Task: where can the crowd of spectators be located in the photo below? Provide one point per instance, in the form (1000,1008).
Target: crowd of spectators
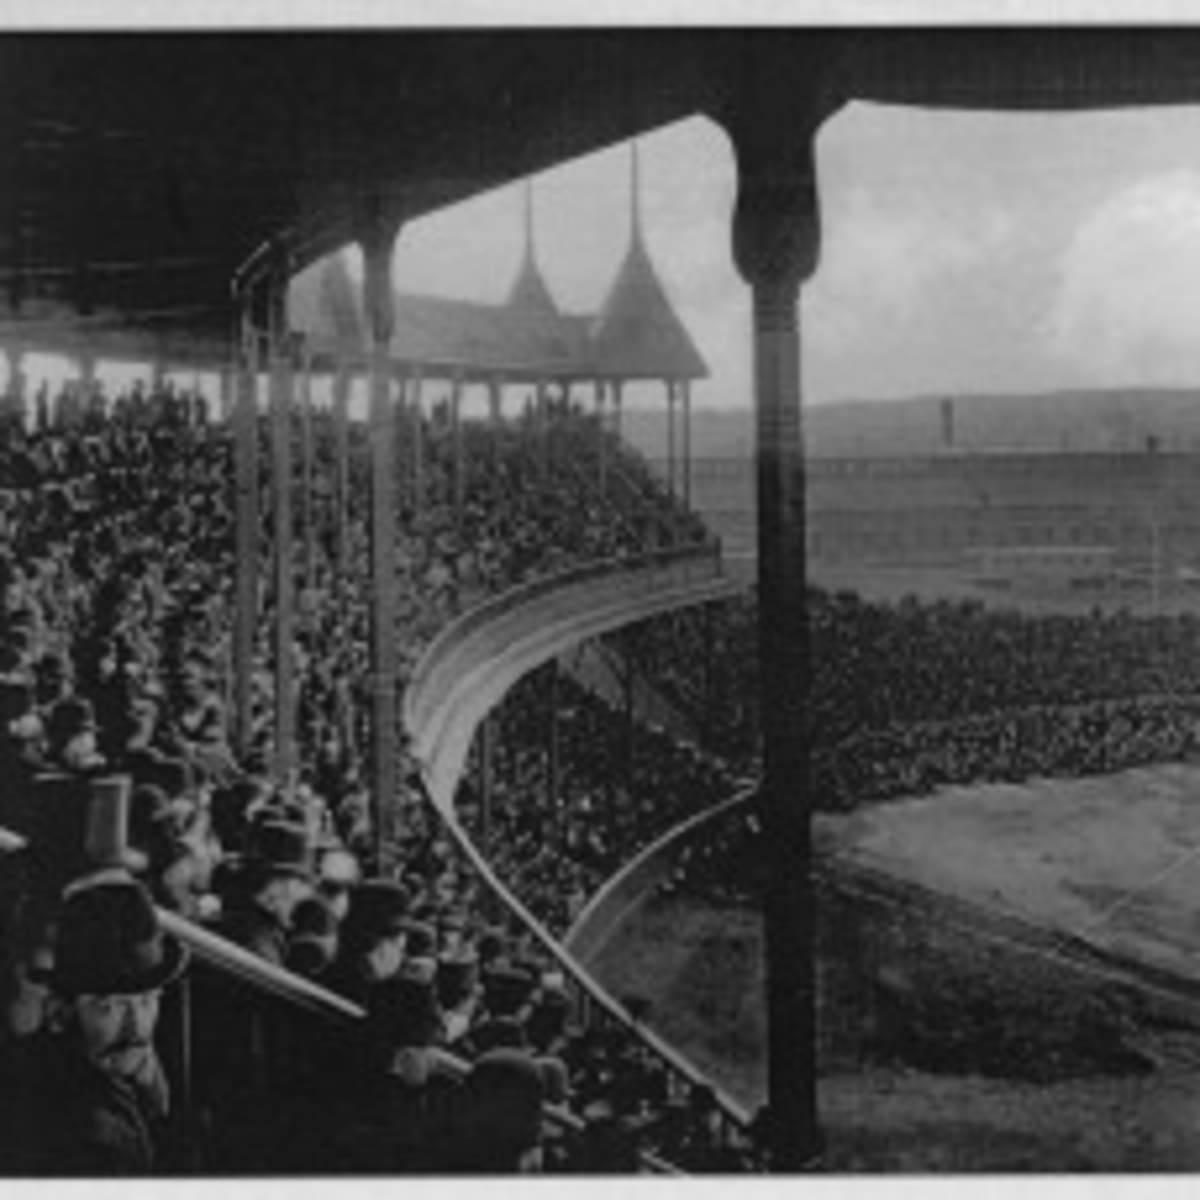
(115,634)
(116,582)
(564,818)
(909,696)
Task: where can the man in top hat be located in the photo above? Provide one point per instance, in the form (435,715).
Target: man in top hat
(87,1094)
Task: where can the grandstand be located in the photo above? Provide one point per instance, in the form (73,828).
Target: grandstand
(299,808)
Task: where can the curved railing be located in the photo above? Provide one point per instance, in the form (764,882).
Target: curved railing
(637,878)
(454,654)
(440,666)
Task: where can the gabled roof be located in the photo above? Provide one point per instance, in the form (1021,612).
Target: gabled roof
(440,333)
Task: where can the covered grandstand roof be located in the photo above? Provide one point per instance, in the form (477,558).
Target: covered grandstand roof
(133,186)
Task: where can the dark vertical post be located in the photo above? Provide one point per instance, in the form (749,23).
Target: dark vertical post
(456,431)
(776,244)
(307,474)
(685,394)
(496,417)
(543,430)
(246,548)
(378,237)
(225,397)
(601,434)
(418,439)
(341,457)
(282,385)
(670,385)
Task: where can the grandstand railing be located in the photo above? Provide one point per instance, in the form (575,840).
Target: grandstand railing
(616,898)
(442,667)
(592,1004)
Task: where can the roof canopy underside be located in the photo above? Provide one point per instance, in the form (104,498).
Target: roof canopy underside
(140,171)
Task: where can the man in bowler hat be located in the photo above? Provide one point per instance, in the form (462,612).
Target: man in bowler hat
(87,1094)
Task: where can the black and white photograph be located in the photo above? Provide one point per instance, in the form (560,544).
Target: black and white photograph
(600,598)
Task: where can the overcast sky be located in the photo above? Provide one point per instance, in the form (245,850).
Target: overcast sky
(961,253)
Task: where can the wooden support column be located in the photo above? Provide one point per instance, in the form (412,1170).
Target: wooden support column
(543,429)
(246,528)
(495,417)
(670,385)
(226,396)
(378,237)
(307,471)
(456,433)
(618,395)
(601,435)
(282,382)
(418,442)
(685,395)
(341,465)
(14,399)
(776,238)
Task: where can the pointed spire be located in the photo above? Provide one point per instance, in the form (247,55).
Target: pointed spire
(635,194)
(530,244)
(637,334)
(529,293)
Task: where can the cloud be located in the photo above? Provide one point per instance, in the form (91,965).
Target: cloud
(1127,302)
(879,264)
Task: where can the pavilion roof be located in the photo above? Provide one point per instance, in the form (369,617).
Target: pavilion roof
(526,335)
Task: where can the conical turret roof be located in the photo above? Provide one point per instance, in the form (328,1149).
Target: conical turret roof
(637,333)
(530,295)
